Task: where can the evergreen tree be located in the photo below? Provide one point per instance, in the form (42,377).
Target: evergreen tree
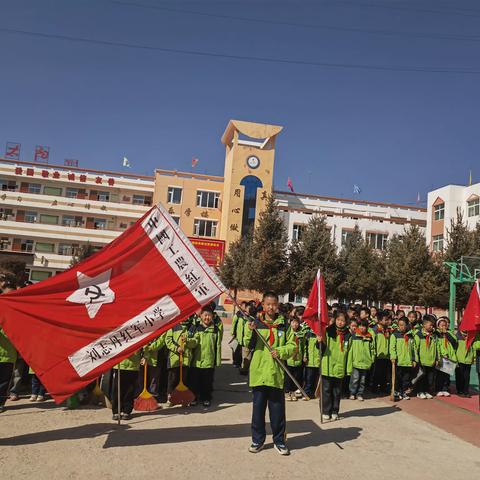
(315,250)
(476,241)
(269,251)
(82,253)
(360,269)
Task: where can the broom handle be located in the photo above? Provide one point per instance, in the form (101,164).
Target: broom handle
(145,376)
(181,368)
(270,349)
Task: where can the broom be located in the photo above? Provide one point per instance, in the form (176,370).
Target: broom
(181,395)
(145,402)
(96,396)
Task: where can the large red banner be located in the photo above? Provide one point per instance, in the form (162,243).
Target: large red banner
(212,251)
(78,324)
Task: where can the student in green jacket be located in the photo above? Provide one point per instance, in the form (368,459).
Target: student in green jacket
(151,361)
(129,368)
(336,343)
(311,360)
(360,359)
(402,355)
(237,324)
(426,355)
(465,358)
(206,356)
(8,357)
(447,346)
(382,366)
(295,363)
(266,375)
(241,330)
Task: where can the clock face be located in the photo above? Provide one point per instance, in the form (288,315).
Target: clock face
(253,161)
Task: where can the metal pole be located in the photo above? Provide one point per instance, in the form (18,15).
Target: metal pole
(118,393)
(453,294)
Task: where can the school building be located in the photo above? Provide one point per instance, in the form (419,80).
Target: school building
(47,212)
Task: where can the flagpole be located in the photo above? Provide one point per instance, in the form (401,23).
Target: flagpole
(270,349)
(118,393)
(320,379)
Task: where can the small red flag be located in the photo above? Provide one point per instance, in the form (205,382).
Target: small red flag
(471,317)
(290,185)
(73,327)
(316,311)
(194,161)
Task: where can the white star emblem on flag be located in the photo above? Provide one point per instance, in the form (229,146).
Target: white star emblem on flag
(93,292)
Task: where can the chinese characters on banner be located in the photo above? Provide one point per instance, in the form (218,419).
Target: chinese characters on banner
(68,162)
(12,151)
(140,285)
(42,153)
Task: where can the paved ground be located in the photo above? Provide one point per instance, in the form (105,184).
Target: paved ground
(374,440)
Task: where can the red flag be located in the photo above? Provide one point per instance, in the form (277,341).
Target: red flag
(471,317)
(78,324)
(290,184)
(194,161)
(316,311)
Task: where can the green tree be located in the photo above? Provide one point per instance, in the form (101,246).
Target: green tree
(314,250)
(269,251)
(82,253)
(361,269)
(14,271)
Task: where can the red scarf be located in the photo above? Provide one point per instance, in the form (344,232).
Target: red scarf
(340,334)
(427,339)
(406,337)
(270,326)
(386,333)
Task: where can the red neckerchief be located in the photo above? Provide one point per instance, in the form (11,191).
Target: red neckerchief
(364,335)
(270,326)
(427,338)
(341,334)
(386,332)
(406,338)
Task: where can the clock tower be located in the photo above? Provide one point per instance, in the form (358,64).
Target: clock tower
(249,162)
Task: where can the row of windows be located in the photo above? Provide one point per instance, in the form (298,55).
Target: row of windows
(205,198)
(28,245)
(473,209)
(73,192)
(377,240)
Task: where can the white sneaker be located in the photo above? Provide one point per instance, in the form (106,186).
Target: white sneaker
(325,417)
(439,394)
(446,394)
(40,398)
(33,398)
(405,397)
(427,395)
(334,416)
(421,395)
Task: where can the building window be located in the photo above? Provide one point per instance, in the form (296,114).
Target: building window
(4,243)
(67,249)
(142,200)
(298,230)
(49,219)
(205,228)
(44,247)
(176,219)
(34,188)
(174,195)
(100,223)
(71,192)
(9,185)
(346,235)
(56,191)
(207,199)
(378,241)
(30,217)
(26,245)
(474,207)
(39,275)
(103,196)
(439,211)
(437,243)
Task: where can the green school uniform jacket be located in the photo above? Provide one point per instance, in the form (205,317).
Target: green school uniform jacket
(132,363)
(335,352)
(217,321)
(8,354)
(447,346)
(361,354)
(150,351)
(426,355)
(402,348)
(240,330)
(312,350)
(208,352)
(382,341)
(235,323)
(172,342)
(298,337)
(467,357)
(264,369)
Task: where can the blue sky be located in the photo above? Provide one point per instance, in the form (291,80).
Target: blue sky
(393,132)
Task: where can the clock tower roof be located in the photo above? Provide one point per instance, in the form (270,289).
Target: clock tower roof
(249,129)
